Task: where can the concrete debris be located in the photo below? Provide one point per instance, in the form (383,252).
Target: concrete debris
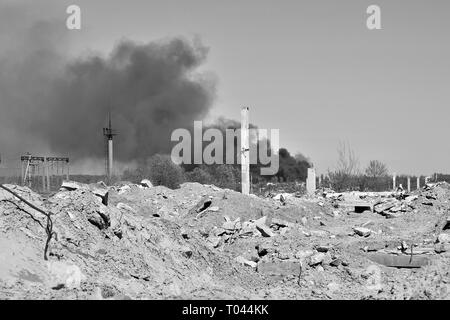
(444,238)
(282,269)
(146,183)
(65,275)
(186,251)
(303,254)
(361,231)
(138,241)
(263,228)
(317,259)
(399,261)
(232,225)
(70,185)
(262,249)
(246,262)
(202,205)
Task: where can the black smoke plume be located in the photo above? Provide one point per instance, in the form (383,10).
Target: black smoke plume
(52,103)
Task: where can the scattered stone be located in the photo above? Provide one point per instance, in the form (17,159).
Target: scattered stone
(379,208)
(333,287)
(248,229)
(123,206)
(123,189)
(202,205)
(391,215)
(186,251)
(441,248)
(317,259)
(336,262)
(319,233)
(444,238)
(283,255)
(64,274)
(215,241)
(70,185)
(184,233)
(146,183)
(102,193)
(284,268)
(323,248)
(411,198)
(263,228)
(280,223)
(361,231)
(304,221)
(262,249)
(303,254)
(232,225)
(245,262)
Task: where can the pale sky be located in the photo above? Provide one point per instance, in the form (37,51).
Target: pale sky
(309,68)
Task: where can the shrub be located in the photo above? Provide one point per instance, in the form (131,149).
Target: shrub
(159,169)
(222,175)
(199,175)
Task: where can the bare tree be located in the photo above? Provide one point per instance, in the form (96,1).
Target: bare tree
(347,169)
(376,169)
(348,163)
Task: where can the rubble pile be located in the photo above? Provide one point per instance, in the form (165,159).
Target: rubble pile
(139,241)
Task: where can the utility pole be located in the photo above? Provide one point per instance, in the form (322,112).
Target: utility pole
(109,134)
(245,152)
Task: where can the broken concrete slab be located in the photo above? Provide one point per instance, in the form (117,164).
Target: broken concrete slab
(359,206)
(202,205)
(399,261)
(379,208)
(263,228)
(232,225)
(70,185)
(361,231)
(245,262)
(317,258)
(146,183)
(65,275)
(285,268)
(444,238)
(303,254)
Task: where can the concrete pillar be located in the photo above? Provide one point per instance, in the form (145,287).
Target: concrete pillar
(311,181)
(409,184)
(48,177)
(110,160)
(245,152)
(44,184)
(394,178)
(418,183)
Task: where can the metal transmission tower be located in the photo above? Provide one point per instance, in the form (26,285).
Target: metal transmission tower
(109,134)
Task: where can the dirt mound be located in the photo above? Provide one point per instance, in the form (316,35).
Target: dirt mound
(202,242)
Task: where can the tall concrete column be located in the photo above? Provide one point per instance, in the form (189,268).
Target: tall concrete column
(47,174)
(43,165)
(394,178)
(245,152)
(110,159)
(418,183)
(311,181)
(409,184)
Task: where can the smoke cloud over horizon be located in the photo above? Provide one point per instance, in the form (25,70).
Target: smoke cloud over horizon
(53,104)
